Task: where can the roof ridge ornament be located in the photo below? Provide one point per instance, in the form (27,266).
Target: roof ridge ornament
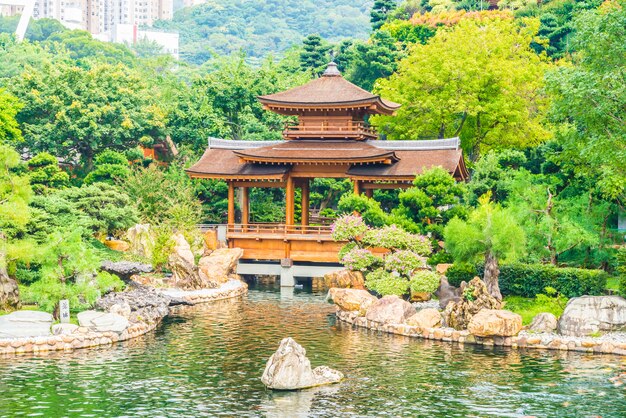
(331,70)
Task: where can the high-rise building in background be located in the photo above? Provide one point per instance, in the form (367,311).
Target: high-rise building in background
(101,17)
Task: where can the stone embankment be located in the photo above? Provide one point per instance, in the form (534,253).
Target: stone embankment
(482,322)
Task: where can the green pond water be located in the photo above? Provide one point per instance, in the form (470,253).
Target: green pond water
(207,361)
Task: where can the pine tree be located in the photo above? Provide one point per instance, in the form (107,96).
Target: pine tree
(380,11)
(313,57)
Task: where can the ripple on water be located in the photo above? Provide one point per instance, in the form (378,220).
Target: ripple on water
(207,361)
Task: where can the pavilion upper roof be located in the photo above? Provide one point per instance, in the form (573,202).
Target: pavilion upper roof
(330,91)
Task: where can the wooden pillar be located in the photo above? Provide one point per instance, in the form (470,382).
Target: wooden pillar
(305,202)
(357,187)
(369,193)
(245,205)
(231,203)
(289,202)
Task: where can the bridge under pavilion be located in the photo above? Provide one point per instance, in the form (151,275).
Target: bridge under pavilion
(331,139)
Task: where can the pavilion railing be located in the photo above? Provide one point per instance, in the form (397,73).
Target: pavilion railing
(280,229)
(354,127)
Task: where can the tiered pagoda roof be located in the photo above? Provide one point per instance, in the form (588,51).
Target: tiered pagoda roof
(332,130)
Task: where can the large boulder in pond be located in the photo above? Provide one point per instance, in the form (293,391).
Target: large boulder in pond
(543,322)
(289,369)
(351,299)
(390,310)
(476,297)
(344,279)
(591,314)
(22,324)
(142,304)
(219,266)
(495,322)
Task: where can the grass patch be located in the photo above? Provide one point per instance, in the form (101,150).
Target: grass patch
(612,283)
(527,308)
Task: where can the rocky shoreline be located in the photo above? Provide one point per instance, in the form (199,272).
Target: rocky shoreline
(145,312)
(606,344)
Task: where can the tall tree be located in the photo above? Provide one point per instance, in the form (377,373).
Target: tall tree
(479,80)
(590,98)
(314,55)
(75,113)
(490,233)
(377,58)
(380,11)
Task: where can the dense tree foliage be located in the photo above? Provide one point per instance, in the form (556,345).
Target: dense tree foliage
(479,80)
(262,27)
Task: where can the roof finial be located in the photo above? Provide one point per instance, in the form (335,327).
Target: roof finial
(331,70)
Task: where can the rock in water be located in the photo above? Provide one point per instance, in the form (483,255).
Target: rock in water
(289,369)
(351,299)
(495,322)
(102,321)
(476,297)
(219,267)
(543,322)
(390,310)
(590,314)
(344,279)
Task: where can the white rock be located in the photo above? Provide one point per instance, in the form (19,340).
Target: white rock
(64,329)
(543,322)
(25,324)
(289,369)
(590,314)
(102,321)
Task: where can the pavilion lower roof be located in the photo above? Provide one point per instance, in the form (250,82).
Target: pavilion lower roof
(398,161)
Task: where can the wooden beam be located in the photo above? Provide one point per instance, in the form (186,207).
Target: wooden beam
(305,202)
(367,186)
(289,201)
(262,184)
(245,205)
(357,188)
(369,193)
(231,203)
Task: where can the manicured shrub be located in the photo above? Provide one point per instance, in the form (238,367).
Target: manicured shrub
(385,283)
(459,272)
(360,259)
(424,281)
(529,280)
(403,262)
(621,270)
(396,238)
(348,228)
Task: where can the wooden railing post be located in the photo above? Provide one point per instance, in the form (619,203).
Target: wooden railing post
(231,203)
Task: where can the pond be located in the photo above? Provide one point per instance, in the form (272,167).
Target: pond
(207,361)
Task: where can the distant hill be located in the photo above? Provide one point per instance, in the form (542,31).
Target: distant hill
(261,27)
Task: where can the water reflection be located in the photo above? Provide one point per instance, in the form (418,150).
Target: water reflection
(207,361)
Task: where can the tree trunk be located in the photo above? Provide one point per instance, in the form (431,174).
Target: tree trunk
(492,271)
(9,292)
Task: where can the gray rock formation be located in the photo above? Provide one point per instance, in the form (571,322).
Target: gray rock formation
(102,321)
(591,314)
(390,310)
(25,324)
(543,322)
(145,304)
(125,269)
(447,293)
(289,369)
(476,297)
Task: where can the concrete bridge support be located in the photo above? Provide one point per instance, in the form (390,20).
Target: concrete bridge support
(287,273)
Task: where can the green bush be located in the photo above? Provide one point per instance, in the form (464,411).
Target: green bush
(529,280)
(621,270)
(424,281)
(385,283)
(459,272)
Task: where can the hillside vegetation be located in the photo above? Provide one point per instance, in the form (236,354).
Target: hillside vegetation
(262,27)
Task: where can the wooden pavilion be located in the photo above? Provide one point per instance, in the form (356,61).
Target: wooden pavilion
(331,139)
